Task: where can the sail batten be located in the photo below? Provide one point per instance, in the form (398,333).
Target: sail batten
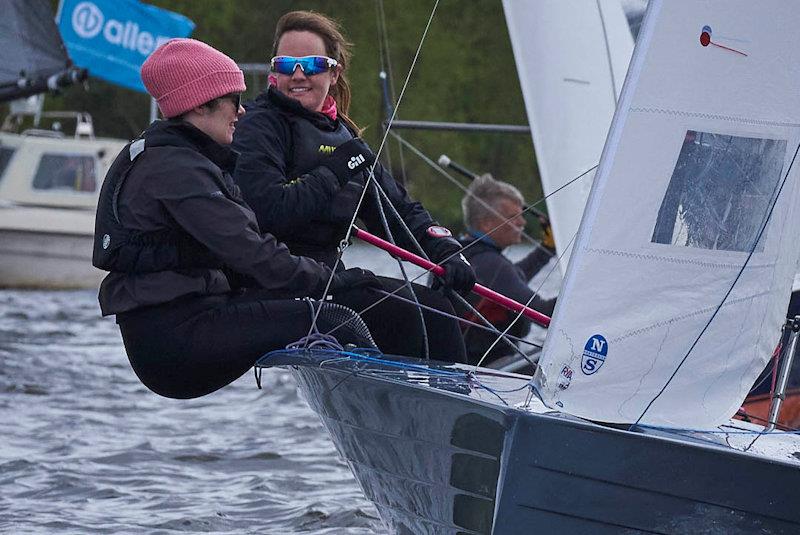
(674,297)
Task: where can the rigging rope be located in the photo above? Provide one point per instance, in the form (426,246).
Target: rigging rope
(456,182)
(371,180)
(388,76)
(377,190)
(440,375)
(427,271)
(491,328)
(371,177)
(614,90)
(530,300)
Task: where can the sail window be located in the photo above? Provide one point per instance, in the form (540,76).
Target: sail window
(720,192)
(5,157)
(70,172)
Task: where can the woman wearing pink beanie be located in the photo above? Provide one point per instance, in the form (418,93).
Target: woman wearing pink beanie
(198,291)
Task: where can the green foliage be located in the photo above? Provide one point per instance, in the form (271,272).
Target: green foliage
(464,73)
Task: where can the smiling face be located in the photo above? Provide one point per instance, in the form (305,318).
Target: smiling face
(510,233)
(217,121)
(310,91)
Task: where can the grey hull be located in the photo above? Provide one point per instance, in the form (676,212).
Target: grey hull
(436,455)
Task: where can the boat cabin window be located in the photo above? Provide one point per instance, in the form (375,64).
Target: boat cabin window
(70,172)
(720,193)
(5,156)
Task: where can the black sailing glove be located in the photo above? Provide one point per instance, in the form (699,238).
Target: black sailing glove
(459,275)
(349,159)
(445,251)
(354,278)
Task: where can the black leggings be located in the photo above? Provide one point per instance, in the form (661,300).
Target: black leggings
(395,325)
(195,345)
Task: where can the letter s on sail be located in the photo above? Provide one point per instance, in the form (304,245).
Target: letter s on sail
(594,354)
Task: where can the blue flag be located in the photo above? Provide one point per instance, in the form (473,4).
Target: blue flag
(112,38)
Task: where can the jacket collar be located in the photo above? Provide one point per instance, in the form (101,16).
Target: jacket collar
(179,133)
(274,98)
(482,237)
(477,243)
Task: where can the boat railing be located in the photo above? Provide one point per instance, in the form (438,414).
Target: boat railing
(39,132)
(84,127)
(789,348)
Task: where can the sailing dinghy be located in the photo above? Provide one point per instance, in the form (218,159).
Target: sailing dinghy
(672,302)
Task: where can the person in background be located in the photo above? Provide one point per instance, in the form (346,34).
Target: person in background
(303,170)
(198,291)
(493,218)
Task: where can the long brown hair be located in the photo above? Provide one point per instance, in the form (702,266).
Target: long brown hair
(336,46)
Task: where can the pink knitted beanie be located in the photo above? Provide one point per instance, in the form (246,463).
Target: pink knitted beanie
(184,73)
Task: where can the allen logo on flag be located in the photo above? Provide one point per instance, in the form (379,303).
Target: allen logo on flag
(112,38)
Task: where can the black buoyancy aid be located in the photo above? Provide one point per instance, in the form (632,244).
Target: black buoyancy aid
(117,248)
(311,144)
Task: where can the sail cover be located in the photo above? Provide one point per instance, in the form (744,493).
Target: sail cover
(674,298)
(32,48)
(571,56)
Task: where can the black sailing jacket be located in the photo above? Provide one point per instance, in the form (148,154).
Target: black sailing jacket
(281,172)
(177,191)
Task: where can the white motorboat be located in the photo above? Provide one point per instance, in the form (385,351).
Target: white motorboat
(49,185)
(49,182)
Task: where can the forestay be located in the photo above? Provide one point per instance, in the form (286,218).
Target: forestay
(704,135)
(571,56)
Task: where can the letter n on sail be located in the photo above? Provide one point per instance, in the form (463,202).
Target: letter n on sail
(594,354)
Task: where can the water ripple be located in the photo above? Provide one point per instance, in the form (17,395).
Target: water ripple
(87,449)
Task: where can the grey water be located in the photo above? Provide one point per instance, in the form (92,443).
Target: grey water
(85,448)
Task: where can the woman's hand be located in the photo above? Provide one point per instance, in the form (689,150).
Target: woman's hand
(458,274)
(354,278)
(349,159)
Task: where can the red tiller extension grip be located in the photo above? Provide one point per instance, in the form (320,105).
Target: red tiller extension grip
(438,270)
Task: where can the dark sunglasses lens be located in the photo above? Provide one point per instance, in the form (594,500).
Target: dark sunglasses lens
(315,65)
(284,65)
(235,98)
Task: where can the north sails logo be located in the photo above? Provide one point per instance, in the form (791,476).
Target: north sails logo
(355,161)
(88,21)
(594,354)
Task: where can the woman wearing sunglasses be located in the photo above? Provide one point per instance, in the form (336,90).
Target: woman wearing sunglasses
(302,168)
(199,293)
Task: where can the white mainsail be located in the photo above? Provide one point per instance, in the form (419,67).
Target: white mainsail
(706,130)
(571,56)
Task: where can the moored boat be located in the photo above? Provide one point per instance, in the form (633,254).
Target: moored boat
(48,195)
(49,182)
